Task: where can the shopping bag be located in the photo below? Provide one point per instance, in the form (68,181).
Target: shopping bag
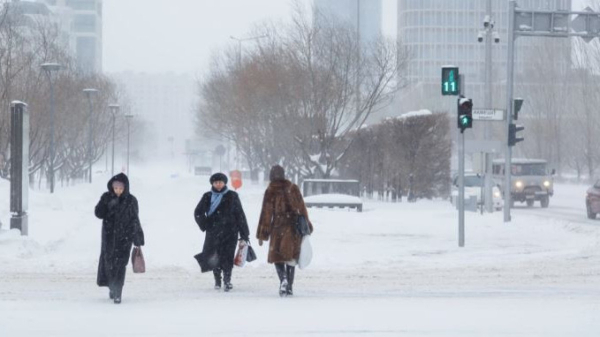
(241,255)
(305,252)
(137,260)
(251,254)
(302,225)
(207,263)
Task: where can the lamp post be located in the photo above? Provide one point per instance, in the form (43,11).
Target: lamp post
(49,68)
(114,108)
(89,92)
(488,34)
(128,117)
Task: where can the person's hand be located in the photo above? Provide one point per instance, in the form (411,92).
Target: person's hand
(260,242)
(113,202)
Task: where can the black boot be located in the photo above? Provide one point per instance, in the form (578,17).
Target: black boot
(291,270)
(118,290)
(280,268)
(217,274)
(111,294)
(227,280)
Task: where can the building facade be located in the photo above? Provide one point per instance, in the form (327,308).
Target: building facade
(81,23)
(444,32)
(364,13)
(165,102)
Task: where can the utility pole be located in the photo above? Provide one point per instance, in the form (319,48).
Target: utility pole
(114,109)
(89,93)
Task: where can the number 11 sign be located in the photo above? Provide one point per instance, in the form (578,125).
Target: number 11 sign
(450,81)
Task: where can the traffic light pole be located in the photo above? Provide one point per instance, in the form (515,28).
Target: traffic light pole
(461,189)
(509,107)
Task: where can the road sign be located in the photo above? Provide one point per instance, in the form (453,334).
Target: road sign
(488,114)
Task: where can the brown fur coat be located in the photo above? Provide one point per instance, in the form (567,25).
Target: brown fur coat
(276,221)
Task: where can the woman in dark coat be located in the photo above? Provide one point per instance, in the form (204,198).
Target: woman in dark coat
(121,228)
(281,203)
(219,213)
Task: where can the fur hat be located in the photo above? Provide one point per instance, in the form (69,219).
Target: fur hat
(277,173)
(218,177)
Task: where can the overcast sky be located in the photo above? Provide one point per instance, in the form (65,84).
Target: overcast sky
(180,35)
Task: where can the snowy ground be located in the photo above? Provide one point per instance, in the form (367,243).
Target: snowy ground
(392,270)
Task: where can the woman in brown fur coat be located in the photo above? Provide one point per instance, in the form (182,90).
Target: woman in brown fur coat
(281,203)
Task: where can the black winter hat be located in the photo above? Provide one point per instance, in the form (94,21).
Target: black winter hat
(218,177)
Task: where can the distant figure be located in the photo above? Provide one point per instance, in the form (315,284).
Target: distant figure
(220,214)
(282,201)
(121,228)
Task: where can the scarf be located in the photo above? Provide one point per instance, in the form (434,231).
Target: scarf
(215,199)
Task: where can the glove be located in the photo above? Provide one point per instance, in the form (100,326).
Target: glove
(260,242)
(113,202)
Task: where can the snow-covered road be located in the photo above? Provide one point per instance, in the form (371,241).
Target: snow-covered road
(393,270)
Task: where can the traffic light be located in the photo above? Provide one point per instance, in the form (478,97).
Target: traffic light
(517,104)
(512,134)
(450,81)
(465,114)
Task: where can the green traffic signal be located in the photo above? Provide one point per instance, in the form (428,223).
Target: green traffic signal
(465,113)
(450,81)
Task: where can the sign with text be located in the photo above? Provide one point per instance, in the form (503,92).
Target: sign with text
(488,114)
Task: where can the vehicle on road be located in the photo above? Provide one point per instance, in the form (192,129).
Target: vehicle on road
(592,200)
(530,180)
(474,185)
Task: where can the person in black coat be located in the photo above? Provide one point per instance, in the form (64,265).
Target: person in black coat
(121,228)
(219,213)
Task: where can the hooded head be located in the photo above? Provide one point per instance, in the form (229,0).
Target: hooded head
(277,173)
(119,178)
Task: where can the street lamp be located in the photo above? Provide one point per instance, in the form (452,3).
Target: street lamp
(240,40)
(48,68)
(128,117)
(89,92)
(114,108)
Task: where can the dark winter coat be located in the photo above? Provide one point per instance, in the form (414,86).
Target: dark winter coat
(120,229)
(277,219)
(222,228)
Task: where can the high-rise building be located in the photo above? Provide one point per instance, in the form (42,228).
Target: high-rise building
(444,32)
(81,23)
(364,13)
(165,102)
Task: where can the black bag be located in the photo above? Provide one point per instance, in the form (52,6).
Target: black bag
(206,264)
(251,254)
(302,225)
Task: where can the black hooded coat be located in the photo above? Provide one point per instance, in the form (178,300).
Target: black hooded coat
(222,228)
(120,229)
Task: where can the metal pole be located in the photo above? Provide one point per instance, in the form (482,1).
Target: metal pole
(91,135)
(52,113)
(128,132)
(461,190)
(113,145)
(488,105)
(357,56)
(509,107)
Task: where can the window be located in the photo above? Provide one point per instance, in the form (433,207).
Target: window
(82,4)
(84,23)
(86,53)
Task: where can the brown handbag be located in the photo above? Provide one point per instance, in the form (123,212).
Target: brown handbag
(137,260)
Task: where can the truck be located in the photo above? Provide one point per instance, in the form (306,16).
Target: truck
(531,181)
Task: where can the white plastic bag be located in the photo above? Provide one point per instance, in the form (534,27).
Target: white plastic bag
(242,253)
(305,252)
